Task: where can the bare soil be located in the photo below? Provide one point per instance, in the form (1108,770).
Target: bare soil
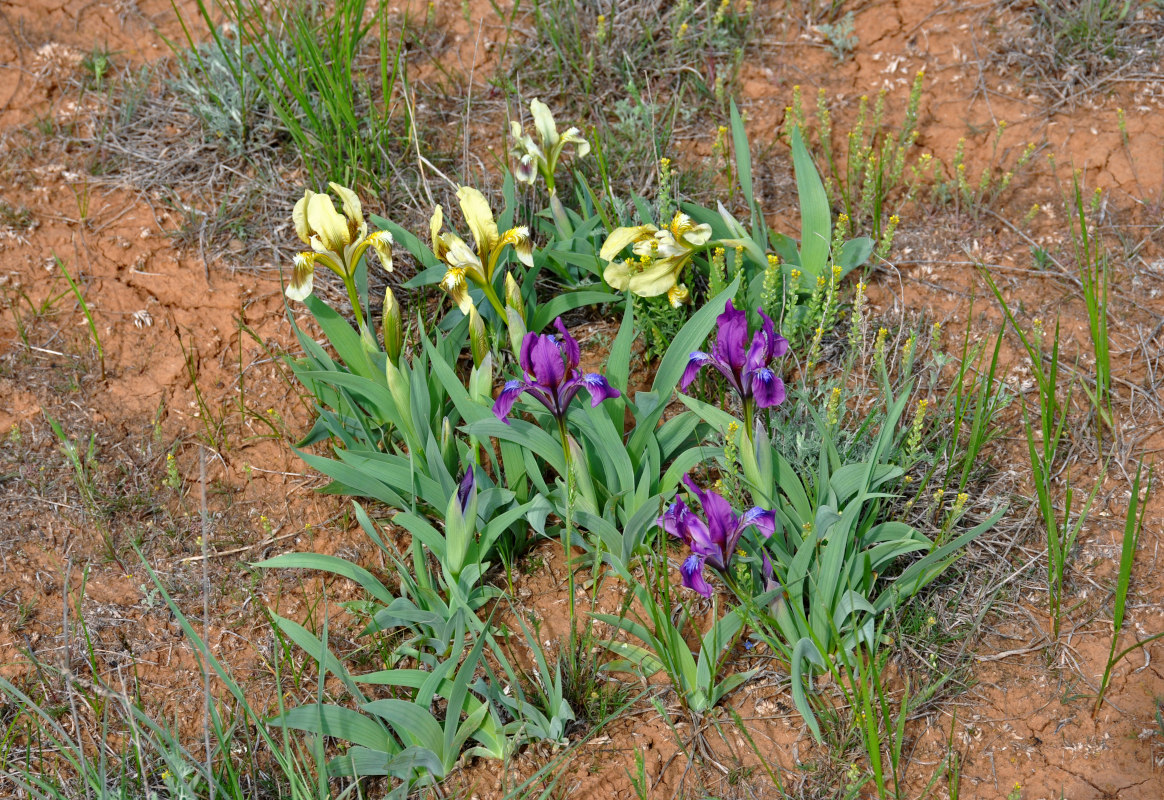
(191,368)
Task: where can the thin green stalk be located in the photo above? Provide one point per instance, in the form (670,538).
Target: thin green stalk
(85,311)
(1094,277)
(1133,526)
(569,522)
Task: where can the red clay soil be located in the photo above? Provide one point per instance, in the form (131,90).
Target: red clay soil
(170,327)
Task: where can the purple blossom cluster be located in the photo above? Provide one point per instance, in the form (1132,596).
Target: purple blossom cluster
(550,364)
(712,541)
(747,367)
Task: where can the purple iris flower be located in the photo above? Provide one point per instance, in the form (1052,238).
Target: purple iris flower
(748,371)
(712,541)
(550,364)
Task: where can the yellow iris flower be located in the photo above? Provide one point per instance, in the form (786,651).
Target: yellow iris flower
(662,255)
(337,241)
(533,157)
(476,265)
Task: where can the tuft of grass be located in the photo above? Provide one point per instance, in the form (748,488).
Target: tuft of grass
(1133,526)
(17,219)
(301,65)
(1085,33)
(1094,277)
(1043,451)
(1070,47)
(72,733)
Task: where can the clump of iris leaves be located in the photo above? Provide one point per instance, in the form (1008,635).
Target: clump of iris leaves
(769,466)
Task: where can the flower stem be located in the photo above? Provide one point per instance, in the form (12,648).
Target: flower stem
(354,299)
(750,419)
(570,489)
(495,301)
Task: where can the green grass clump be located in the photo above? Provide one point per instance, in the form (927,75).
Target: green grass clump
(297,68)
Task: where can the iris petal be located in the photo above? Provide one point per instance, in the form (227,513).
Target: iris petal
(569,346)
(692,571)
(721,522)
(696,362)
(777,344)
(764,520)
(466,489)
(732,334)
(682,523)
(508,396)
(547,367)
(599,388)
(767,388)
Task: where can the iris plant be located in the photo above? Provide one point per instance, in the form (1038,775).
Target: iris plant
(662,255)
(338,242)
(533,158)
(550,366)
(550,363)
(748,371)
(477,266)
(714,541)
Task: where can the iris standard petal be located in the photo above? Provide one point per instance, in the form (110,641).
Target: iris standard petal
(507,397)
(327,224)
(435,223)
(692,572)
(544,123)
(569,346)
(299,217)
(459,254)
(766,346)
(547,366)
(353,210)
(777,345)
(730,338)
(767,388)
(523,360)
(479,218)
(721,521)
